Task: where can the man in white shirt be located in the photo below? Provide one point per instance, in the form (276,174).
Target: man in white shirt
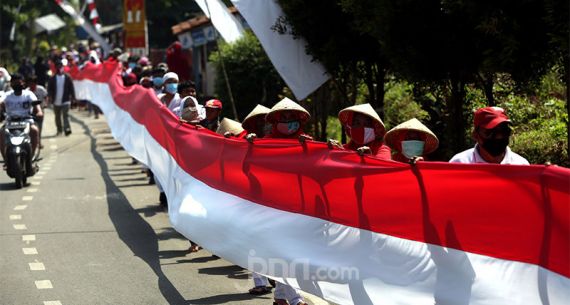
(492,133)
(18,104)
(41,93)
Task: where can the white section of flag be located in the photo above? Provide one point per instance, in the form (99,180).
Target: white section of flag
(288,55)
(224,22)
(345,265)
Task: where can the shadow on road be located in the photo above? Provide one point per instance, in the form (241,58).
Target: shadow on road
(134,231)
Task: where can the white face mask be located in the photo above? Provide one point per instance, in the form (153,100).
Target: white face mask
(412,148)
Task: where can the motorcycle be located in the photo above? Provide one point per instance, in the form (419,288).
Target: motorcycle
(20,161)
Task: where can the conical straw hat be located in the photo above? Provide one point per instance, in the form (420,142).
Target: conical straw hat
(287,104)
(345,116)
(258,110)
(231,126)
(398,133)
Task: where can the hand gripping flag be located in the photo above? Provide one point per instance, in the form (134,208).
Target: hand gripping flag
(351,229)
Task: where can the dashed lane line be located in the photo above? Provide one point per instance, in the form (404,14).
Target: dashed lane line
(37,266)
(15,217)
(28,238)
(27,198)
(54,147)
(52,303)
(20,227)
(20,207)
(44,284)
(37,177)
(30,251)
(36,183)
(32,190)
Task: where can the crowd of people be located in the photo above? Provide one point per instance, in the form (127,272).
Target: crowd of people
(410,141)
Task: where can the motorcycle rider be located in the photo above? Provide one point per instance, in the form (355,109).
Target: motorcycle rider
(18,103)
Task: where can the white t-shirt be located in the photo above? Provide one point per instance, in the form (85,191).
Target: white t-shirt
(59,85)
(174,105)
(19,106)
(40,92)
(472,156)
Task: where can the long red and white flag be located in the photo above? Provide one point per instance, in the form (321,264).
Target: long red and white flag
(351,229)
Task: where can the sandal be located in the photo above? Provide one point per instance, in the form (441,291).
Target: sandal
(260,290)
(194,248)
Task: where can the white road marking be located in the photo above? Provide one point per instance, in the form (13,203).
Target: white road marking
(20,207)
(15,217)
(37,266)
(32,190)
(54,147)
(44,284)
(47,168)
(38,177)
(52,140)
(27,198)
(52,303)
(20,227)
(28,238)
(41,173)
(36,183)
(30,251)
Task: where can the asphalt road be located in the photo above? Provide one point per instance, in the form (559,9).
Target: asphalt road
(89,230)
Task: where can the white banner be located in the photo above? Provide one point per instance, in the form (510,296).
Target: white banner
(226,24)
(298,70)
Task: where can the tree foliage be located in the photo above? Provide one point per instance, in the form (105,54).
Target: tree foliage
(251,75)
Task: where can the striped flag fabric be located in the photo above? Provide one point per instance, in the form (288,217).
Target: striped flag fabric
(79,20)
(93,15)
(351,229)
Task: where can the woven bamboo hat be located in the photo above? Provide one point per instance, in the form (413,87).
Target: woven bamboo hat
(283,105)
(257,111)
(345,117)
(398,133)
(231,126)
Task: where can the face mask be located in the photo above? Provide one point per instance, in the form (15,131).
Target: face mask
(1,83)
(157,81)
(18,87)
(288,128)
(495,147)
(412,148)
(361,135)
(132,65)
(171,88)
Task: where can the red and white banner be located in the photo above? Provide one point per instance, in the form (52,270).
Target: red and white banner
(351,229)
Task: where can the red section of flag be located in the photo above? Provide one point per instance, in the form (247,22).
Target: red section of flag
(519,213)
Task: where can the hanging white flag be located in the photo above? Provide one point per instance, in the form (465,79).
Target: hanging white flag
(68,8)
(224,22)
(298,70)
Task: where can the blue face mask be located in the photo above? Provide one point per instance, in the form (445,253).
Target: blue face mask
(412,148)
(171,88)
(157,81)
(288,128)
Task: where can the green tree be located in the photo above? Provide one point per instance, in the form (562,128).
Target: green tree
(251,75)
(452,44)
